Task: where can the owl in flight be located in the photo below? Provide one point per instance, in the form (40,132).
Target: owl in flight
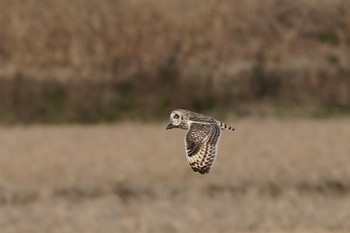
(202,138)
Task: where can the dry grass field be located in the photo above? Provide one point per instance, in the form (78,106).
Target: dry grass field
(104,60)
(271,176)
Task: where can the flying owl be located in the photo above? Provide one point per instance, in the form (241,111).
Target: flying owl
(203,134)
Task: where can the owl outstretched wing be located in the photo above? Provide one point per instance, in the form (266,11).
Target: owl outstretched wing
(201,146)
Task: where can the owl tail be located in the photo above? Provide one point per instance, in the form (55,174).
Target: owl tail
(223,126)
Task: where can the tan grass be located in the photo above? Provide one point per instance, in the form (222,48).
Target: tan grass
(236,54)
(103,39)
(270,176)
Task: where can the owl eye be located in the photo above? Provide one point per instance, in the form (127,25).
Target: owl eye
(176,116)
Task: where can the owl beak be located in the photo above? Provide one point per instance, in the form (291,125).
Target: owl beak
(170,126)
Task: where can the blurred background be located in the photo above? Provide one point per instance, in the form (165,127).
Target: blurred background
(84,83)
(92,61)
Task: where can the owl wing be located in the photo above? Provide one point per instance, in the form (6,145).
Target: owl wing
(201,146)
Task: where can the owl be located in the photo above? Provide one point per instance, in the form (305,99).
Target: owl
(202,138)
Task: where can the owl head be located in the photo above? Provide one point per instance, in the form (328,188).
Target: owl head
(175,119)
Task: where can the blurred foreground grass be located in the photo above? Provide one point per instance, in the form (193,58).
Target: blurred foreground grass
(270,176)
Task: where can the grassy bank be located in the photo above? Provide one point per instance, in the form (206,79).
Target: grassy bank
(88,61)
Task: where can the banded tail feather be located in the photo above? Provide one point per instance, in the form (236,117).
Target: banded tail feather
(225,126)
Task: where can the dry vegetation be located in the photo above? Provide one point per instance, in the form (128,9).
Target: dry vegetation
(89,60)
(271,176)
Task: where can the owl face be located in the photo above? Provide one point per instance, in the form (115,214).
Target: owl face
(175,120)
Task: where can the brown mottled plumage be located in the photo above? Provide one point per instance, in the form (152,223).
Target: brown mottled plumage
(201,139)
